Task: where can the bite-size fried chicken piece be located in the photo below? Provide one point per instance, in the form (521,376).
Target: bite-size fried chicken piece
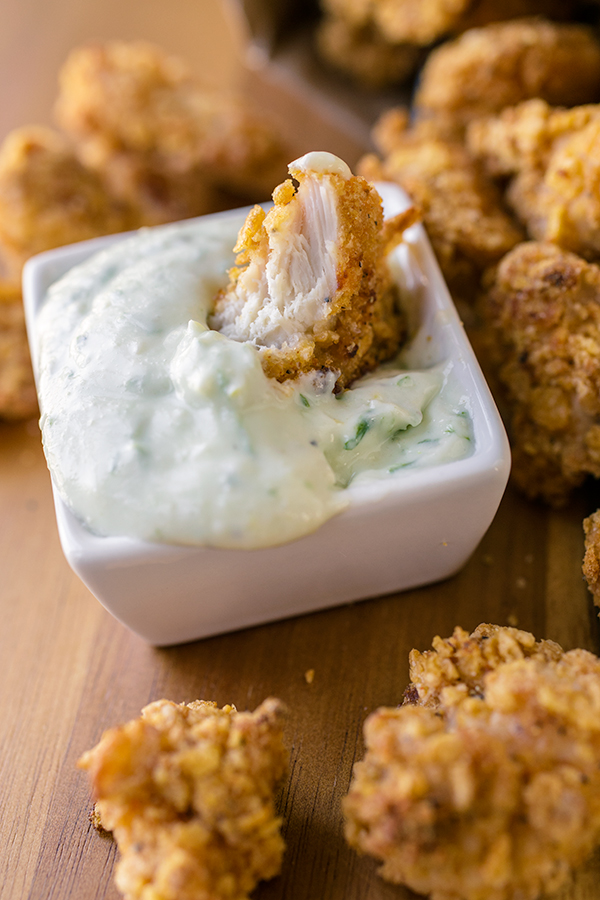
(457,666)
(554,158)
(487,69)
(161,140)
(47,198)
(461,207)
(522,137)
(543,314)
(591,559)
(311,287)
(361,52)
(18,398)
(188,794)
(485,784)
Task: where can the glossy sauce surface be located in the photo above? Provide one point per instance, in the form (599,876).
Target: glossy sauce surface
(159,428)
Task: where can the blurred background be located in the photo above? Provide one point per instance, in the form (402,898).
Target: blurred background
(37,35)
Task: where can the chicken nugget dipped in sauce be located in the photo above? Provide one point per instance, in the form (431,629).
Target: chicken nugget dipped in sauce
(312,289)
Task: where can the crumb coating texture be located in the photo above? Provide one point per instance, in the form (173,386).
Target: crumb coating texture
(485,784)
(359,323)
(543,319)
(188,794)
(462,209)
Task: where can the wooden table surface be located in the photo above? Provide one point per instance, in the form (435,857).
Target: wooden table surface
(70,670)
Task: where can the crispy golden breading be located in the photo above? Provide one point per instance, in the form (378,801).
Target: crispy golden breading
(462,662)
(418,22)
(461,207)
(591,559)
(47,198)
(543,313)
(554,158)
(159,139)
(18,398)
(522,137)
(488,69)
(311,287)
(188,793)
(486,12)
(485,784)
(363,54)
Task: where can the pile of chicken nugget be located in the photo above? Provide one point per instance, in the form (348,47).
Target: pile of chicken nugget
(484,783)
(501,152)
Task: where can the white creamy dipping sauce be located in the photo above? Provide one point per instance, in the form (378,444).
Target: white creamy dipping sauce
(156,427)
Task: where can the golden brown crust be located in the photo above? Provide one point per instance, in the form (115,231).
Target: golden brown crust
(47,198)
(490,68)
(461,207)
(544,336)
(591,559)
(359,324)
(188,793)
(160,140)
(18,399)
(491,790)
(463,661)
(424,22)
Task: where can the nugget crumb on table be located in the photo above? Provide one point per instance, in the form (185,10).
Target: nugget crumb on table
(188,794)
(485,783)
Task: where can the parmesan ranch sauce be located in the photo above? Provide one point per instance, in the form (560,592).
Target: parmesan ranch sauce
(158,428)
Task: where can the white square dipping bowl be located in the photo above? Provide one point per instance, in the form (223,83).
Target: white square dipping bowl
(395,534)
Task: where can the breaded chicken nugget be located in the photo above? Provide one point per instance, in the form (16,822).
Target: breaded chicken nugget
(591,560)
(522,137)
(188,793)
(311,288)
(160,139)
(487,69)
(461,207)
(543,313)
(18,398)
(554,158)
(485,784)
(47,198)
(361,52)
